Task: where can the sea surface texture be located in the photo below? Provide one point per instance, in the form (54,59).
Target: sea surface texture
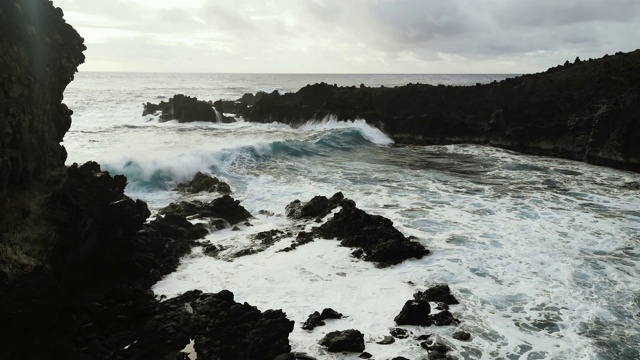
(542,253)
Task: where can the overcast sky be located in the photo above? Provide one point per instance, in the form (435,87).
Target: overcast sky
(349,36)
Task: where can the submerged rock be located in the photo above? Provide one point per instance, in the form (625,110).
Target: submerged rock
(347,341)
(202,182)
(443,318)
(462,336)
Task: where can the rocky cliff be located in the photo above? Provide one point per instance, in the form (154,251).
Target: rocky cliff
(586,110)
(39,55)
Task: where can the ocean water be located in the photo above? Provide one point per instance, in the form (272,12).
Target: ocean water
(542,253)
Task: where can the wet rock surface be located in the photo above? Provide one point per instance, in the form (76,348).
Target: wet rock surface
(317,319)
(183,109)
(318,207)
(374,234)
(219,327)
(225,207)
(344,341)
(414,312)
(202,182)
(438,293)
(557,113)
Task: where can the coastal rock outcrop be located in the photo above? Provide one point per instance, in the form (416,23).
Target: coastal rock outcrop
(39,55)
(183,109)
(225,207)
(583,111)
(374,234)
(203,182)
(344,341)
(216,325)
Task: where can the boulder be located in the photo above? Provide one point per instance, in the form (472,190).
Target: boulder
(462,336)
(183,109)
(443,318)
(438,293)
(414,312)
(224,207)
(318,207)
(317,319)
(202,182)
(220,328)
(344,341)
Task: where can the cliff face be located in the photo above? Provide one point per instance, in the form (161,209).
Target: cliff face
(39,54)
(587,111)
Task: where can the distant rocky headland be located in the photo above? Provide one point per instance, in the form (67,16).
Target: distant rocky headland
(585,111)
(78,256)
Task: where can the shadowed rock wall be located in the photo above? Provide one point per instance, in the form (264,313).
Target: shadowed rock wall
(39,54)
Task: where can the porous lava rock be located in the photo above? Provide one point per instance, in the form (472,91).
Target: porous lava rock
(375,234)
(219,327)
(224,207)
(317,319)
(182,108)
(344,341)
(438,293)
(414,312)
(202,182)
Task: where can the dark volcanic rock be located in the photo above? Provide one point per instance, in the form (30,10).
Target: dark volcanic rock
(224,207)
(317,319)
(220,328)
(375,234)
(96,223)
(39,55)
(438,293)
(202,182)
(558,113)
(386,340)
(414,312)
(347,340)
(302,238)
(443,318)
(400,333)
(182,108)
(318,207)
(461,335)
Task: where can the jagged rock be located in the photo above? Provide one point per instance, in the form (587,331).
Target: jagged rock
(39,57)
(96,223)
(182,108)
(344,341)
(375,234)
(365,355)
(224,207)
(443,318)
(414,312)
(318,207)
(203,182)
(302,238)
(438,293)
(220,328)
(555,113)
(400,333)
(317,319)
(461,335)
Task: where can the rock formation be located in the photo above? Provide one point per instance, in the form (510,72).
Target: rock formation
(585,111)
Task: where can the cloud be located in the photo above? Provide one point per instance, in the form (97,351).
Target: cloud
(355,35)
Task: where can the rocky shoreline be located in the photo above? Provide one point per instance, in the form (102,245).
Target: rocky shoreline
(585,111)
(78,257)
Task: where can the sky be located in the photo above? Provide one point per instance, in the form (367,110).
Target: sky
(349,36)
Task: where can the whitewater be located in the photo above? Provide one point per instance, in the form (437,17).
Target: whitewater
(542,253)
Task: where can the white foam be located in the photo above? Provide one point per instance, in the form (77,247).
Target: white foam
(369,132)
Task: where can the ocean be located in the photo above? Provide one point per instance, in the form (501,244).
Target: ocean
(542,253)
